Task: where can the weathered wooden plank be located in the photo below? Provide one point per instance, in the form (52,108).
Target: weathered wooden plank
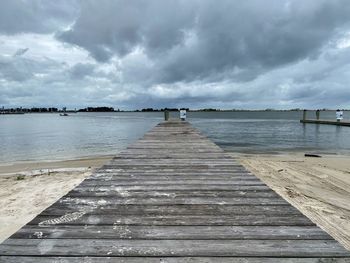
(170,162)
(127,158)
(131,155)
(173,232)
(173,166)
(112,259)
(180,171)
(116,192)
(177,155)
(84,218)
(181,183)
(159,181)
(59,209)
(197,150)
(169,186)
(176,143)
(152,177)
(172,147)
(166,200)
(181,144)
(176,177)
(136,248)
(165,171)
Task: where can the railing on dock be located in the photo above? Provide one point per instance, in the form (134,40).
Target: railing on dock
(317,120)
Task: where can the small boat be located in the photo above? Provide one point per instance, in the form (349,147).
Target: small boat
(64,114)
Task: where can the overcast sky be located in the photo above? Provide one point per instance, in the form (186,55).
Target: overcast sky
(191,53)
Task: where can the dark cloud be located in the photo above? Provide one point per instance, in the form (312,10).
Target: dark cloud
(38,16)
(15,69)
(117,27)
(20,52)
(81,70)
(196,39)
(21,69)
(157,53)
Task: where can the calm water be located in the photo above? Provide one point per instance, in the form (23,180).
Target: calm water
(272,132)
(51,137)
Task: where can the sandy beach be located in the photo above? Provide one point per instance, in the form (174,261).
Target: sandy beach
(318,187)
(28,188)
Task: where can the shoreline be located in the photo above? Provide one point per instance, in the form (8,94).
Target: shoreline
(20,167)
(26,189)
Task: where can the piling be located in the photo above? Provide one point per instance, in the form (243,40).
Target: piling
(317,114)
(166,115)
(304,115)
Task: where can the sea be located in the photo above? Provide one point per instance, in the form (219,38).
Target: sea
(49,137)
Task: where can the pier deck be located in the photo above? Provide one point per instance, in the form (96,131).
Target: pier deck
(327,122)
(172,196)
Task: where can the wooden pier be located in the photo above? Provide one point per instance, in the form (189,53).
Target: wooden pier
(319,121)
(328,122)
(172,196)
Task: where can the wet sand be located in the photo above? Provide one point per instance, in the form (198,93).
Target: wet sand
(318,187)
(26,189)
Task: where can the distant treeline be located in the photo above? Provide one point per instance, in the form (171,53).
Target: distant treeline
(23,110)
(98,109)
(111,109)
(53,109)
(165,109)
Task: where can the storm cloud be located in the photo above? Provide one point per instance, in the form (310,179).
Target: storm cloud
(37,16)
(199,53)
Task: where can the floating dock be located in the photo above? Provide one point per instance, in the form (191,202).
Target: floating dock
(338,123)
(172,196)
(319,121)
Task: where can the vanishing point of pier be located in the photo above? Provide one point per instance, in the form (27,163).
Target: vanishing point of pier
(172,196)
